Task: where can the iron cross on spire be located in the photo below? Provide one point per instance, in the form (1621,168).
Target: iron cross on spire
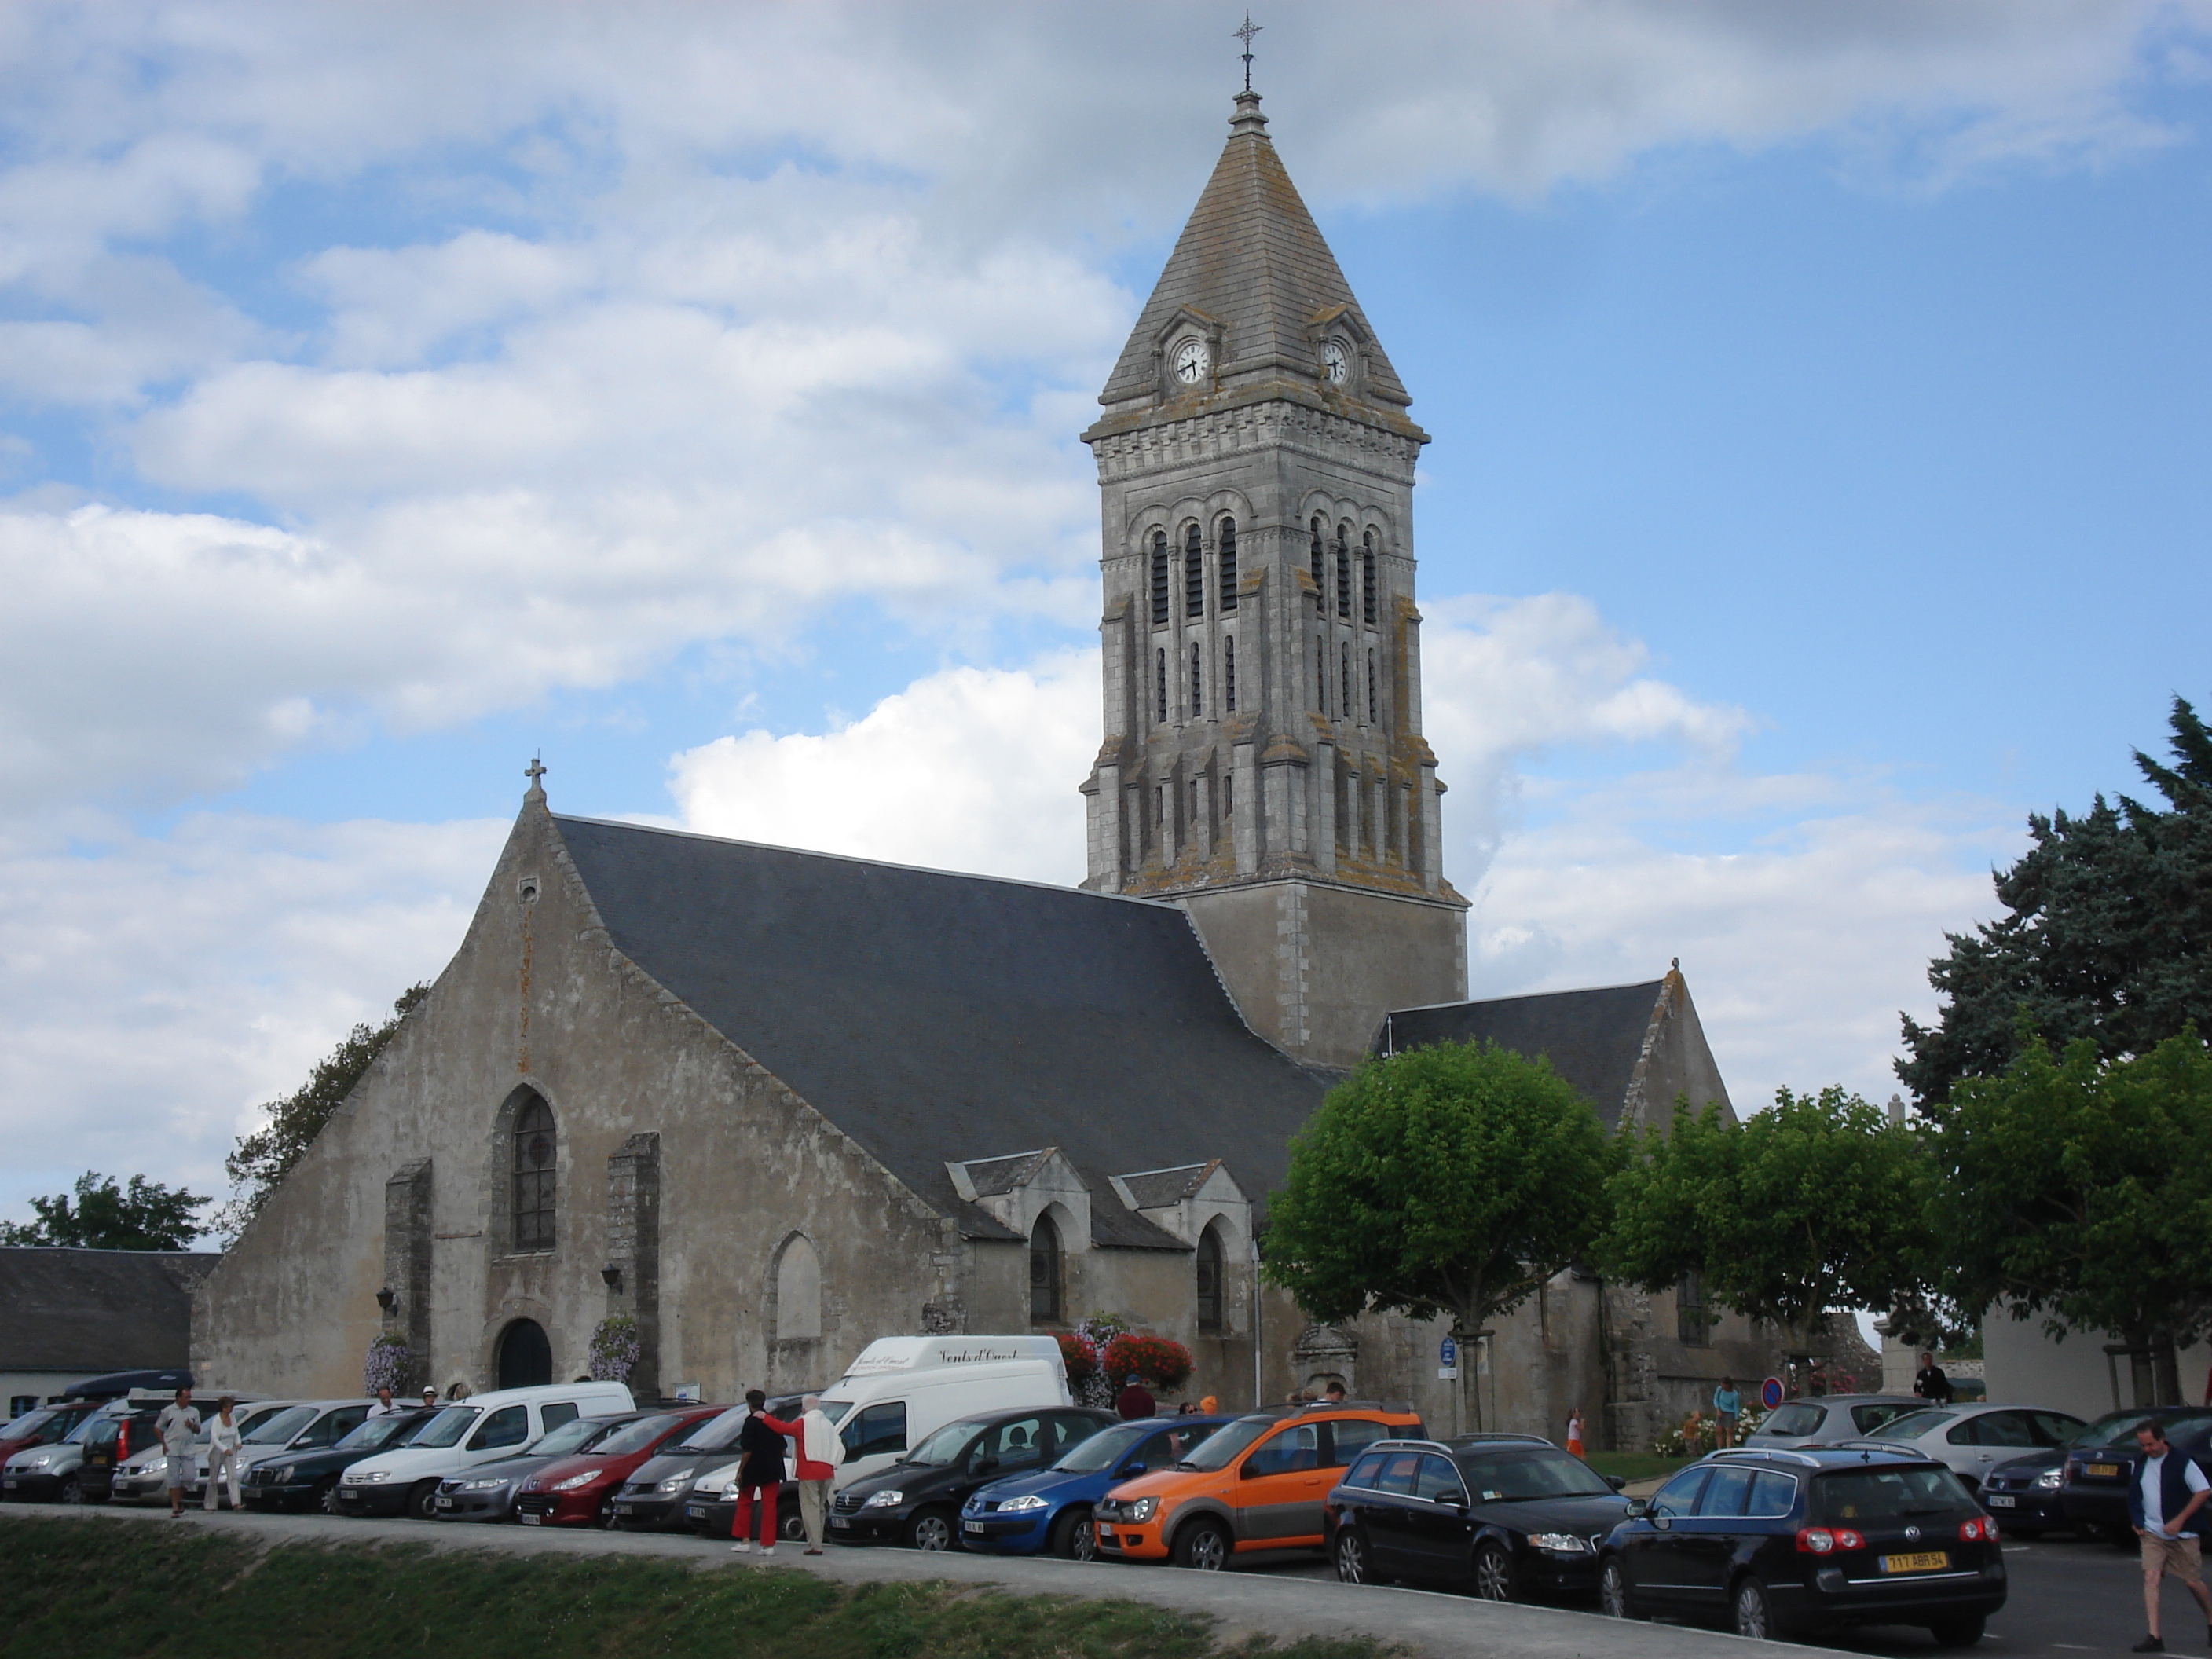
(1245,34)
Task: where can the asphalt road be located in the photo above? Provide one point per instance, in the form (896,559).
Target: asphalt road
(2065,1597)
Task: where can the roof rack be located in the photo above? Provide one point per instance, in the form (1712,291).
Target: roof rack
(1352,1404)
(1499,1438)
(1802,1459)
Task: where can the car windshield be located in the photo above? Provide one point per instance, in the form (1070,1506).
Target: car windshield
(572,1436)
(1892,1494)
(1221,1450)
(1104,1450)
(945,1446)
(446,1428)
(628,1437)
(715,1433)
(1509,1478)
(29,1423)
(379,1432)
(834,1410)
(1913,1424)
(1867,1419)
(2117,1428)
(277,1430)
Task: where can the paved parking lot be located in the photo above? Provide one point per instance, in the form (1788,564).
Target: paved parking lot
(2066,1597)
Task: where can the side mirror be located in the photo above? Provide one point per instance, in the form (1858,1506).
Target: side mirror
(1637,1509)
(984,1465)
(1130,1471)
(1616,1481)
(1452,1499)
(851,1454)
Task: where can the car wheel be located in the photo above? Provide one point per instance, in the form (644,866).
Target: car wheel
(1962,1630)
(1354,1564)
(423,1501)
(1074,1537)
(930,1530)
(1613,1593)
(1754,1612)
(325,1497)
(68,1491)
(1203,1546)
(790,1525)
(1494,1574)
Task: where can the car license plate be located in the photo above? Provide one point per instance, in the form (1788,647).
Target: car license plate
(624,1509)
(694,1513)
(974,1526)
(840,1521)
(1103,1533)
(532,1520)
(2106,1470)
(1999,1501)
(1927,1561)
(445,1503)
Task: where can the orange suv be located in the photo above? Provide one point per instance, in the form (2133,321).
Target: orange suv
(1257,1484)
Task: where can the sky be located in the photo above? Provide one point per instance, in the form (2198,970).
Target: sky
(1821,398)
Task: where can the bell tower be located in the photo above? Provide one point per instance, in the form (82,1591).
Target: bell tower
(1263,763)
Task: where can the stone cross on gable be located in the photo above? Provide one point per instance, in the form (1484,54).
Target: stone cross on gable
(534,771)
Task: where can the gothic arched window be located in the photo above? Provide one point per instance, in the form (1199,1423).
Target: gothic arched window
(1211,1299)
(1367,576)
(1160,688)
(1044,1273)
(1229,564)
(533,1165)
(1343,576)
(1193,573)
(1197,685)
(1229,675)
(1159,579)
(798,1291)
(1320,585)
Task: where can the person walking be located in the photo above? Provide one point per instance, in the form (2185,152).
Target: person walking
(385,1406)
(760,1475)
(814,1437)
(224,1437)
(179,1425)
(2163,1500)
(1931,1384)
(1574,1431)
(1135,1400)
(1728,1406)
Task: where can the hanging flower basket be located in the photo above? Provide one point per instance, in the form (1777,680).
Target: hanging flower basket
(614,1349)
(391,1364)
(1159,1359)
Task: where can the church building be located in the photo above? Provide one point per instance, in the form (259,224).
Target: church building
(772,1104)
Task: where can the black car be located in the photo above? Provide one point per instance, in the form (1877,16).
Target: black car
(711,1511)
(1784,1543)
(489,1492)
(111,1437)
(309,1479)
(917,1501)
(652,1497)
(2023,1492)
(1507,1517)
(2093,1493)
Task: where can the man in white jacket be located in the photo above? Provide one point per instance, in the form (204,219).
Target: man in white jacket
(818,1451)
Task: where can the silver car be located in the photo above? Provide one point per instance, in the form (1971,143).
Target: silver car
(308,1426)
(143,1476)
(1974,1439)
(1827,1420)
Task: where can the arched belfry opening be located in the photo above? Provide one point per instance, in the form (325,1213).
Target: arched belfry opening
(525,1357)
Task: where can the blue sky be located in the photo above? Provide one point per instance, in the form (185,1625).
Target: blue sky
(1818,396)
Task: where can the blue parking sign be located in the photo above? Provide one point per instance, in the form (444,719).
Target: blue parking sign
(1448,1352)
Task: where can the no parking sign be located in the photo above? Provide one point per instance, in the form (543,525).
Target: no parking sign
(1769,1393)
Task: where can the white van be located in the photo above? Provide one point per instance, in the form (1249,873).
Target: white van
(469,1431)
(904,1387)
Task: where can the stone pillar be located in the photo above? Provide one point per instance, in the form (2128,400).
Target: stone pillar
(1432,831)
(407,1257)
(1326,785)
(1244,820)
(633,1251)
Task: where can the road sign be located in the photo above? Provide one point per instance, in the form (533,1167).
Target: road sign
(1769,1393)
(1448,1352)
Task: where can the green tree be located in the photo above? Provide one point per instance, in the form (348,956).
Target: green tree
(2081,1189)
(263,1158)
(143,1216)
(1450,1180)
(1817,1205)
(2107,933)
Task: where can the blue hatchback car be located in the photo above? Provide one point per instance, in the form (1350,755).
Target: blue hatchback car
(1049,1509)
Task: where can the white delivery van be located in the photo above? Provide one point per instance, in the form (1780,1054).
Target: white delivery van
(469,1431)
(904,1387)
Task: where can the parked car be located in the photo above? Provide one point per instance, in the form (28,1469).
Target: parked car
(904,1389)
(52,1474)
(654,1495)
(2023,1492)
(488,1491)
(1823,1420)
(1971,1440)
(1788,1543)
(578,1490)
(489,1426)
(1050,1508)
(2092,1492)
(710,1505)
(310,1425)
(1505,1519)
(143,1476)
(917,1501)
(1258,1484)
(308,1478)
(44,1426)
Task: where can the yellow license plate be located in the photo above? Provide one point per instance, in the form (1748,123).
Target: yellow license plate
(2107,1470)
(1927,1561)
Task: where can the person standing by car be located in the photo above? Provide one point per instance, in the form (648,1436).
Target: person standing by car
(1135,1400)
(1574,1431)
(383,1405)
(224,1437)
(815,1438)
(2162,1503)
(179,1425)
(1728,1406)
(760,1475)
(1932,1385)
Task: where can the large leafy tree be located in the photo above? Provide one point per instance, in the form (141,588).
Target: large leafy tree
(2107,935)
(263,1158)
(2081,1189)
(1817,1205)
(1450,1180)
(142,1216)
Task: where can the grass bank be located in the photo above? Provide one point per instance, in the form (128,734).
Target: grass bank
(92,1590)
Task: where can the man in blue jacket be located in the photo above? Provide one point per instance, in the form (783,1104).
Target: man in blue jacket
(2162,1503)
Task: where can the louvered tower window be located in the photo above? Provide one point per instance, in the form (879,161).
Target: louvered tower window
(1193,573)
(1197,685)
(1343,576)
(1228,565)
(1320,575)
(1367,576)
(1344,706)
(1229,675)
(1371,719)
(1160,689)
(1160,580)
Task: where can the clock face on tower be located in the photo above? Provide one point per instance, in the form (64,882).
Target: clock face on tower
(1190,361)
(1333,366)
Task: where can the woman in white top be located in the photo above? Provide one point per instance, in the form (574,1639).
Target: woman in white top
(223,1438)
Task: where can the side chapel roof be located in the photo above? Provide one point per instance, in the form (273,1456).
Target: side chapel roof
(935,1017)
(96,1311)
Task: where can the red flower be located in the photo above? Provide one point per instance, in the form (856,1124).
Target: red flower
(1159,1359)
(1078,1354)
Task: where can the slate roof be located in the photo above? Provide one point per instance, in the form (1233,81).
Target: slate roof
(1251,258)
(90,1312)
(1592,1038)
(1155,1189)
(938,1017)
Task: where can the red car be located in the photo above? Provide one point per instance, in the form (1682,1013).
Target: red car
(42,1425)
(576,1491)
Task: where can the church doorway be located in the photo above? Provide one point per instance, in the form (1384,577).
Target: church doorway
(525,1357)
